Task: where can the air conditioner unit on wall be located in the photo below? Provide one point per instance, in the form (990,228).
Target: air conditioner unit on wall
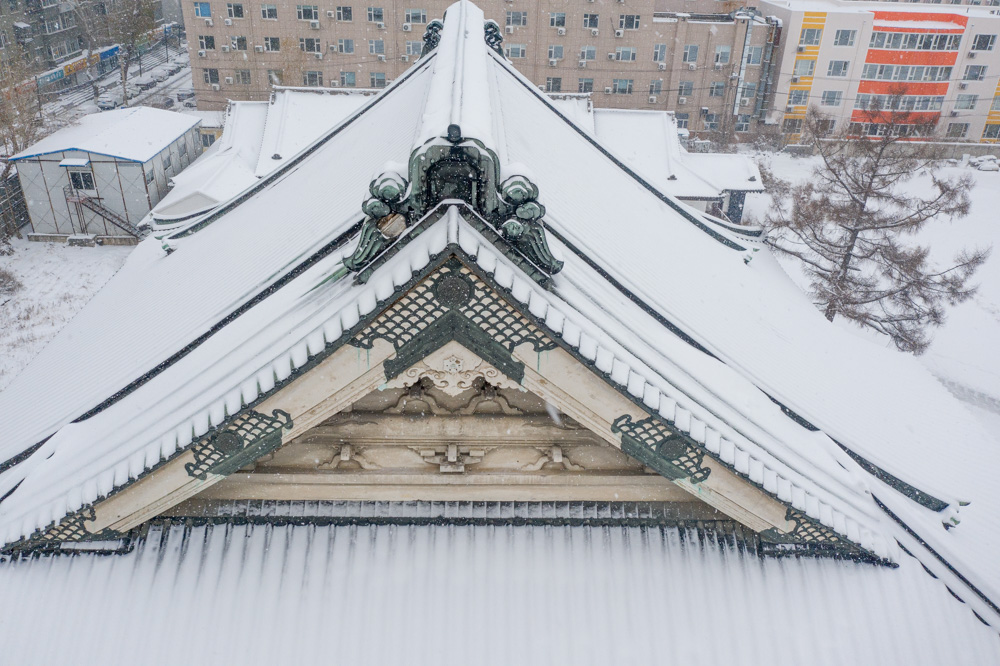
(718,65)
(963,85)
(681,101)
(216,87)
(229,80)
(662,66)
(258,48)
(208,22)
(795,79)
(225,48)
(314,25)
(319,56)
(652,99)
(583,63)
(692,66)
(611,56)
(800,49)
(202,54)
(553,62)
(619,33)
(789,109)
(745,102)
(972,54)
(380,25)
(330,13)
(561,31)
(953,114)
(405,58)
(381,57)
(607,91)
(594,32)
(228,21)
(510,29)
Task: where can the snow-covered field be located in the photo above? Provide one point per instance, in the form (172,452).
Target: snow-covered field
(965,353)
(57,281)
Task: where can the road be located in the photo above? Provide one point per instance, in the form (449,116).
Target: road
(75,103)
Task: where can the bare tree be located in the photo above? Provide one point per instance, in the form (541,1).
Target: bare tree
(851,224)
(128,22)
(92,19)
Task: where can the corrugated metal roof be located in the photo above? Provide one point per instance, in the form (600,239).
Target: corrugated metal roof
(473,595)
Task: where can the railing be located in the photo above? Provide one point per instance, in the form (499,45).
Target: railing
(94,205)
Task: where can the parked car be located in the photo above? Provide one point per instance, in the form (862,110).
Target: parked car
(187,93)
(109,100)
(159,75)
(172,68)
(144,82)
(163,103)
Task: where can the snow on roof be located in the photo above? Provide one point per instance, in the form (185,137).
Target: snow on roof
(526,595)
(137,134)
(635,260)
(223,171)
(864,6)
(208,118)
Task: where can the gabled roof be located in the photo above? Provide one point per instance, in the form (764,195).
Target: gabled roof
(681,316)
(137,134)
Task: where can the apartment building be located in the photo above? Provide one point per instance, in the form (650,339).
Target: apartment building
(711,68)
(842,55)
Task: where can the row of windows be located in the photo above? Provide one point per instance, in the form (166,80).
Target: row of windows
(558,20)
(626,87)
(309,78)
(953,131)
(630,53)
(308,44)
(900,103)
(905,73)
(909,41)
(309,12)
(835,98)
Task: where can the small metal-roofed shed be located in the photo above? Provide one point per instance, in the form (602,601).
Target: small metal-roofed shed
(101,176)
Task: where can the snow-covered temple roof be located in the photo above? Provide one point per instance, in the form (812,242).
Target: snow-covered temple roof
(714,369)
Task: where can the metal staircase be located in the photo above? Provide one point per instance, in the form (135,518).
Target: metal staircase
(94,204)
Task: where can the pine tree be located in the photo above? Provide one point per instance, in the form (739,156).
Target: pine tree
(851,226)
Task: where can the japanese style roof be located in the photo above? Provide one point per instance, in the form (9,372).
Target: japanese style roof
(692,323)
(136,134)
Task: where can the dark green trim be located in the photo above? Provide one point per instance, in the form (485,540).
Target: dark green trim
(242,441)
(915,494)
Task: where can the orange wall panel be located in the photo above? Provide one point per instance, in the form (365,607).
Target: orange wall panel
(886,57)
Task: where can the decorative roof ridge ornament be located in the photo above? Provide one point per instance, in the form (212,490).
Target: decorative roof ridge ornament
(454,167)
(432,36)
(494,37)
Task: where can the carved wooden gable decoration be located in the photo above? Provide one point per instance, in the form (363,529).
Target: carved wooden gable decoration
(452,379)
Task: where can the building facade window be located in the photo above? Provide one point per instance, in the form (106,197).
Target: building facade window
(659,52)
(345,46)
(203,9)
(238,43)
(722,54)
(234,10)
(376,47)
(555,52)
(711,122)
(682,120)
(957,130)
(588,53)
(82,180)
(974,73)
(995,106)
(991,131)
(242,77)
(690,53)
(966,101)
(906,72)
(625,53)
(211,75)
(844,37)
(791,126)
(553,84)
(838,68)
(622,86)
(206,42)
(742,122)
(269,12)
(754,55)
(810,36)
(804,67)
(557,19)
(909,41)
(517,51)
(307,12)
(414,48)
(629,21)
(798,97)
(585,85)
(377,79)
(310,44)
(376,15)
(831,98)
(717,89)
(685,88)
(275,77)
(591,20)
(312,79)
(984,42)
(345,14)
(348,79)
(656,86)
(272,44)
(519,19)
(415,16)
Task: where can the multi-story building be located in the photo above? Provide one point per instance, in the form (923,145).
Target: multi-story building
(940,64)
(711,68)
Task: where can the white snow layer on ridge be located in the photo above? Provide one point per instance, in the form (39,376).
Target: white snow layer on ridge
(136,133)
(881,404)
(475,594)
(158,304)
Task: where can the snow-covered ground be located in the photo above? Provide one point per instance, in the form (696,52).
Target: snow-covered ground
(964,353)
(57,281)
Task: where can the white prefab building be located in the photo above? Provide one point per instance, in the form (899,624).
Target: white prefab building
(100,177)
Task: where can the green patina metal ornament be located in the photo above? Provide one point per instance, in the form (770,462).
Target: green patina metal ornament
(244,440)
